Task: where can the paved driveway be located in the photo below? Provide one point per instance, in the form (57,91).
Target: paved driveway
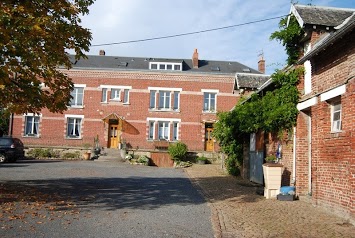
(99,199)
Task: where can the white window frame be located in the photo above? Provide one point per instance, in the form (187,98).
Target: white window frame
(75,117)
(156,93)
(33,125)
(208,107)
(164,130)
(153,133)
(115,94)
(164,66)
(336,125)
(104,95)
(74,101)
(118,97)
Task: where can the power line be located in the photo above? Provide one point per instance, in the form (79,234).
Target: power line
(189,33)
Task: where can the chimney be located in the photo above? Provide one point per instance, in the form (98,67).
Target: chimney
(261,64)
(102,52)
(195,59)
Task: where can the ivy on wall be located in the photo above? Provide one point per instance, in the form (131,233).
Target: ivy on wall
(273,110)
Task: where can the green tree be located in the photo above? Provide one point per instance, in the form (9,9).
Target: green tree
(34,38)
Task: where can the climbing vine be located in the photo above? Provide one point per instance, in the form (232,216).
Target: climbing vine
(273,110)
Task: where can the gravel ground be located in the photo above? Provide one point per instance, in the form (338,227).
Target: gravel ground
(238,211)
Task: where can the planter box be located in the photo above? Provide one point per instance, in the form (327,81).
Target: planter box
(287,197)
(272,177)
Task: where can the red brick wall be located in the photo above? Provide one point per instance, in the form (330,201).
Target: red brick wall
(53,126)
(332,154)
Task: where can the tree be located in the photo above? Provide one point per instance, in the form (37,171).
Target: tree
(34,38)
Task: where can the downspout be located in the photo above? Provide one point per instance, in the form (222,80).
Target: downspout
(293,181)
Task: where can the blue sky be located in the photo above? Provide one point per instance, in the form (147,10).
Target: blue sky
(123,20)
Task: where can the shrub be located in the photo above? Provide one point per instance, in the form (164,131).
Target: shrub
(232,166)
(43,153)
(143,160)
(177,151)
(71,155)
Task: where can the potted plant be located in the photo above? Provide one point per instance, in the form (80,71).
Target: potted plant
(201,160)
(123,150)
(87,152)
(97,149)
(271,159)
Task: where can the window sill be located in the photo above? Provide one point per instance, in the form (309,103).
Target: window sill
(209,112)
(163,110)
(31,136)
(77,107)
(73,138)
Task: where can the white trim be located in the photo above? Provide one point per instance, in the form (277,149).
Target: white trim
(165,64)
(333,93)
(209,90)
(73,116)
(32,115)
(115,86)
(163,119)
(164,89)
(306,104)
(79,85)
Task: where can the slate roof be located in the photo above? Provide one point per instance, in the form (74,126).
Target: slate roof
(253,81)
(323,16)
(347,26)
(142,64)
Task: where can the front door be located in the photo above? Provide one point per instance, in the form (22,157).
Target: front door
(209,144)
(113,137)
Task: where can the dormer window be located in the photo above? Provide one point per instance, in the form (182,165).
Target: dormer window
(165,66)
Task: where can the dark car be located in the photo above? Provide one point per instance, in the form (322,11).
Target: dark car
(11,149)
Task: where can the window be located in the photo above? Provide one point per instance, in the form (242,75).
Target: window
(209,102)
(115,94)
(126,96)
(152,99)
(163,129)
(336,116)
(175,131)
(104,95)
(74,127)
(176,100)
(31,125)
(164,98)
(77,97)
(165,66)
(151,130)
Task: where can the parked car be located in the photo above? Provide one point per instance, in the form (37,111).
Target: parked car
(11,149)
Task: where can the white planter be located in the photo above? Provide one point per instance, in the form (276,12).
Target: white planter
(272,177)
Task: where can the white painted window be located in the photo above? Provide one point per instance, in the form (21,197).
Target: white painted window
(104,95)
(77,97)
(307,77)
(115,94)
(164,99)
(74,127)
(32,125)
(126,96)
(165,66)
(336,116)
(163,129)
(209,101)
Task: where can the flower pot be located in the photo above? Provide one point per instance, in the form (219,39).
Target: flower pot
(272,177)
(123,153)
(87,155)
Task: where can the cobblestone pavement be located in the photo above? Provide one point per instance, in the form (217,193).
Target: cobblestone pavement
(238,211)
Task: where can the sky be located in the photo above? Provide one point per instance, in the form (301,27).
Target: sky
(112,21)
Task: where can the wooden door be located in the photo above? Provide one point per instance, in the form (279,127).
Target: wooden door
(209,140)
(113,137)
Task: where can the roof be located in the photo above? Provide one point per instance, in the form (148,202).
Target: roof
(141,64)
(318,15)
(253,81)
(344,28)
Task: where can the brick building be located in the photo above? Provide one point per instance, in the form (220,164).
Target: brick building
(139,101)
(324,158)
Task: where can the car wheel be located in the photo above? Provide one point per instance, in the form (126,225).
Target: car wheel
(2,158)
